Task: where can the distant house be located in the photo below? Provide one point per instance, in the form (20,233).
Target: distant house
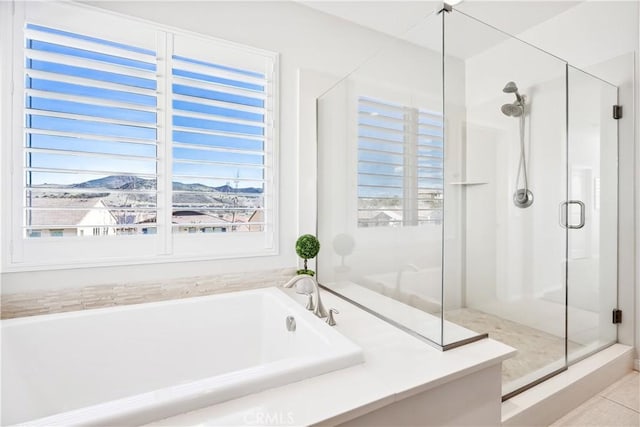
(64,216)
(256,221)
(380,218)
(56,217)
(191,221)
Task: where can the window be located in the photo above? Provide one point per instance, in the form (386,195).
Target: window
(400,164)
(149,134)
(218,147)
(90,134)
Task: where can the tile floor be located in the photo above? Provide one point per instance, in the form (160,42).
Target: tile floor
(617,405)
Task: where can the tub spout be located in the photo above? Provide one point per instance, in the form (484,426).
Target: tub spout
(316,305)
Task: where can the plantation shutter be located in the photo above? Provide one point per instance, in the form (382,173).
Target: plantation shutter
(127,141)
(430,166)
(400,164)
(222,120)
(90,135)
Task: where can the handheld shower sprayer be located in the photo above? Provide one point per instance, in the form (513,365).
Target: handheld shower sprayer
(523,197)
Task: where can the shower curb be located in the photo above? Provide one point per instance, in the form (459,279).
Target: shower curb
(549,401)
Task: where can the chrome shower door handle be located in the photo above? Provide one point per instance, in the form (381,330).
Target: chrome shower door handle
(564,209)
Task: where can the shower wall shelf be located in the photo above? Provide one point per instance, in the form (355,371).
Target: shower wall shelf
(468,183)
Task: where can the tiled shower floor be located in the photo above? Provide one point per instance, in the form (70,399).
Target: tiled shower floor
(536,349)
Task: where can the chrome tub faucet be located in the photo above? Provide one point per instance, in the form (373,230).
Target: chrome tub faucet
(315,302)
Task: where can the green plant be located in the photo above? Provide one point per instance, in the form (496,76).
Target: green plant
(307,247)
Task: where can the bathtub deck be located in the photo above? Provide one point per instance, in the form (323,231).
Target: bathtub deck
(397,367)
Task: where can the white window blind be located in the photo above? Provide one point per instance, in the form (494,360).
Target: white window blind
(400,164)
(219,179)
(90,135)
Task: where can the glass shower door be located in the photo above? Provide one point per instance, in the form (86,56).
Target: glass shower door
(505,181)
(592,214)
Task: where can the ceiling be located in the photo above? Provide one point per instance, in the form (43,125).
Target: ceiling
(415,21)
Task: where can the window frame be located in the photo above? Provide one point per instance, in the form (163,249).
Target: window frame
(24,254)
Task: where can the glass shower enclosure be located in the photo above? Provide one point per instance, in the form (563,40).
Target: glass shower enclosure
(467,187)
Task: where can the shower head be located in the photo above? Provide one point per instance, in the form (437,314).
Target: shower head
(512,88)
(512,110)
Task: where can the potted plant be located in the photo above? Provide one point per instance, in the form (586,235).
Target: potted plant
(307,247)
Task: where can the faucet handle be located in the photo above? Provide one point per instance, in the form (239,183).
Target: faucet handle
(330,320)
(309,305)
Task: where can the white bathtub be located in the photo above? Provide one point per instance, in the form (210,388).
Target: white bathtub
(139,363)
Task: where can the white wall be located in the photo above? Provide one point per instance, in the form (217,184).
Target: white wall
(527,255)
(5,108)
(305,39)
